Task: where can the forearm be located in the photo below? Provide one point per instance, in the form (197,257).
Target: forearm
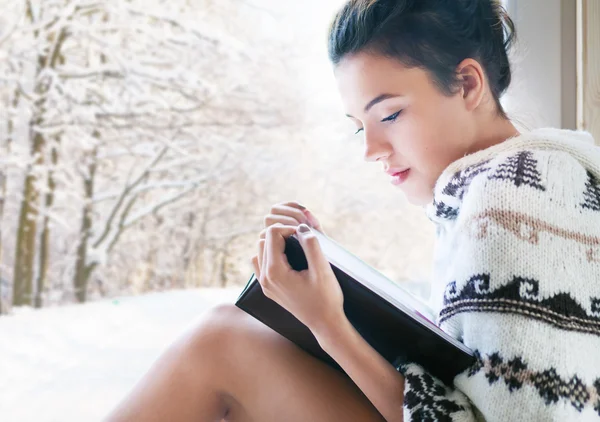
(376,377)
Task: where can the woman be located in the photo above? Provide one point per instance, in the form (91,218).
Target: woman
(517,266)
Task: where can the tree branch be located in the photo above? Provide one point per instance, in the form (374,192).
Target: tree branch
(126,191)
(161,204)
(148,187)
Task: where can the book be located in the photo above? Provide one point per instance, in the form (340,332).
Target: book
(394,322)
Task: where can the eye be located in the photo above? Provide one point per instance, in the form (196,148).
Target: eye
(392,118)
(359,130)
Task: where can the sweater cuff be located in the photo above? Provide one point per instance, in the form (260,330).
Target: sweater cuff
(427,399)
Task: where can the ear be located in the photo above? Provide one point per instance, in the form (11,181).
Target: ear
(472,83)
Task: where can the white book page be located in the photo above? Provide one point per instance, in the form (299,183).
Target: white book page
(380,284)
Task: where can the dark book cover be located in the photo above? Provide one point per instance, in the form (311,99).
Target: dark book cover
(397,334)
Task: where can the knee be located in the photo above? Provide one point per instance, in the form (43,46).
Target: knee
(219,329)
(225,312)
(222,319)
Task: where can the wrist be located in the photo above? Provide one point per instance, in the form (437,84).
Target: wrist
(332,331)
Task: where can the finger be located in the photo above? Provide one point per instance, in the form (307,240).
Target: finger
(289,211)
(312,220)
(260,256)
(263,232)
(276,261)
(256,266)
(271,219)
(312,249)
(294,204)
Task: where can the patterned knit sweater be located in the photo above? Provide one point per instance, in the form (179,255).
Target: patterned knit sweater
(517,279)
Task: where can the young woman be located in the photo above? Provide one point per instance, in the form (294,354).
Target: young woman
(517,269)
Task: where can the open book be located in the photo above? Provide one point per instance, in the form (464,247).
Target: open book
(394,322)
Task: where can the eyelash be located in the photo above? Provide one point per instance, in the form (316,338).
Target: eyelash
(391,118)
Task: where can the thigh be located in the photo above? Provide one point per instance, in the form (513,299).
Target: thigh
(231,364)
(268,378)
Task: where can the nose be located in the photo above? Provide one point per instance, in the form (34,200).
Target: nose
(376,147)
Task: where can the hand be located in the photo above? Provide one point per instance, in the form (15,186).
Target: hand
(292,214)
(314,295)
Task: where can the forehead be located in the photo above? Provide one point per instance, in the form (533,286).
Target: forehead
(365,75)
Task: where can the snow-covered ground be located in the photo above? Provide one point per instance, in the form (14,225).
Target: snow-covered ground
(74,363)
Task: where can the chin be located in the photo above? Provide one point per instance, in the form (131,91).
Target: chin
(418,197)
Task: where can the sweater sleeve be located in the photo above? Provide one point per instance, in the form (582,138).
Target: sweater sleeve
(516,279)
(427,399)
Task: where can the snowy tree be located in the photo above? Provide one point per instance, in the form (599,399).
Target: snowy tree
(131,108)
(144,141)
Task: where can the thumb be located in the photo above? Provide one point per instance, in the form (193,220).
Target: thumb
(312,249)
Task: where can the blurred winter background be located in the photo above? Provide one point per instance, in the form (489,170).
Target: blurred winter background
(141,144)
(144,141)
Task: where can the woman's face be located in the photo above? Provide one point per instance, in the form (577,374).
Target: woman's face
(407,123)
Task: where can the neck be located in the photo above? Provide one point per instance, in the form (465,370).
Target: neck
(493,132)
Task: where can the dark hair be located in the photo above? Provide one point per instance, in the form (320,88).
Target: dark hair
(435,35)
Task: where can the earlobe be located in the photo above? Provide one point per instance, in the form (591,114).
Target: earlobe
(472,83)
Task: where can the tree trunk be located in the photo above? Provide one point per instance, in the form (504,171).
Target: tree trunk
(3,178)
(22,271)
(83,270)
(223,268)
(45,237)
(2,196)
(26,232)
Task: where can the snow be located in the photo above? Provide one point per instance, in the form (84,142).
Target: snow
(75,363)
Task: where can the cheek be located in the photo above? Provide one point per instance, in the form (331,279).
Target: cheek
(429,125)
(452,118)
(422,144)
(428,153)
(429,139)
(444,134)
(413,135)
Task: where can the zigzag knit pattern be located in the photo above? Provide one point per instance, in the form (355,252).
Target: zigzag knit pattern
(517,279)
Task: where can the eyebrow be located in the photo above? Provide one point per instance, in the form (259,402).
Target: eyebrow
(376,101)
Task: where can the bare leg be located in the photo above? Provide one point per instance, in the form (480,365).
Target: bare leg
(232,366)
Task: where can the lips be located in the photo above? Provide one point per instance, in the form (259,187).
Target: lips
(400,177)
(396,170)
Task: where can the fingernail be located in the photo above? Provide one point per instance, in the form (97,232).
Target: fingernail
(302,207)
(303,228)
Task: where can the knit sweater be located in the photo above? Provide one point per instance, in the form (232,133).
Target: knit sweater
(517,279)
